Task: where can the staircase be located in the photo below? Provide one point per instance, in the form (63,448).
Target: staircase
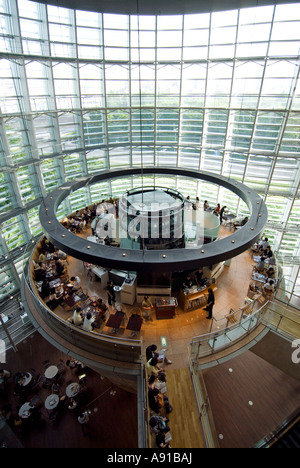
(290,438)
(17,325)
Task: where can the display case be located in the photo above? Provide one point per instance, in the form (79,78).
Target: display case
(165,308)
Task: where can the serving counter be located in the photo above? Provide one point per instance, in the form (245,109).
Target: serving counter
(192,299)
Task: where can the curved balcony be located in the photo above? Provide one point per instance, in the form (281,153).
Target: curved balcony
(116,357)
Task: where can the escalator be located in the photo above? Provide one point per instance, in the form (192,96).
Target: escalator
(286,436)
(290,438)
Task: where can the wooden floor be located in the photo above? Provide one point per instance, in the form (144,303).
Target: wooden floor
(184,421)
(113,419)
(249,398)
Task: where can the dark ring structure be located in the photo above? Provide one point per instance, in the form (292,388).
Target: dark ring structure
(151,260)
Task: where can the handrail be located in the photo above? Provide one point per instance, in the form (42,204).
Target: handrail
(205,413)
(261,316)
(275,435)
(205,345)
(212,336)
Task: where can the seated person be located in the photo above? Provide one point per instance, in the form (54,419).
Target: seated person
(269,287)
(54,300)
(42,257)
(45,289)
(270,272)
(158,401)
(76,319)
(155,382)
(60,254)
(272,260)
(101,305)
(241,223)
(260,267)
(40,272)
(161,442)
(152,366)
(151,352)
(268,252)
(158,424)
(263,244)
(4,375)
(59,267)
(88,321)
(75,281)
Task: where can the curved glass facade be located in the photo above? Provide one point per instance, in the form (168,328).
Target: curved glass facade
(82,92)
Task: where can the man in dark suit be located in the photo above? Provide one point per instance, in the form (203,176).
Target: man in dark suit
(210,303)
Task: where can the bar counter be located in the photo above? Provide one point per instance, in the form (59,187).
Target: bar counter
(193,299)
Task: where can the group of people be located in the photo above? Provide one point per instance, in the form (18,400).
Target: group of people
(216,210)
(55,291)
(265,265)
(24,394)
(92,318)
(197,205)
(157,397)
(79,220)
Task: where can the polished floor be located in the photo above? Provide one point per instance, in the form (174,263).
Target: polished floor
(249,398)
(232,288)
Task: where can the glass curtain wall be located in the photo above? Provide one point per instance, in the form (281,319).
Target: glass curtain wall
(82,92)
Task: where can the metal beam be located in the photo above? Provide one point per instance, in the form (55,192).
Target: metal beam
(146,260)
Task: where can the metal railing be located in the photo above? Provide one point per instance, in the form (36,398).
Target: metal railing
(286,294)
(228,330)
(282,320)
(15,325)
(203,404)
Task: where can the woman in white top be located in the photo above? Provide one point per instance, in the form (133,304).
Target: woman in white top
(77,317)
(76,282)
(88,321)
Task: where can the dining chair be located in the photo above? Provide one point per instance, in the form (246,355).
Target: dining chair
(46,363)
(35,401)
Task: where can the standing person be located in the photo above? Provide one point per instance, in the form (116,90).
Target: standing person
(210,303)
(111,295)
(222,213)
(147,306)
(83,419)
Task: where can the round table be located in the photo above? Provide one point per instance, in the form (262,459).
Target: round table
(72,389)
(25,410)
(51,372)
(51,401)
